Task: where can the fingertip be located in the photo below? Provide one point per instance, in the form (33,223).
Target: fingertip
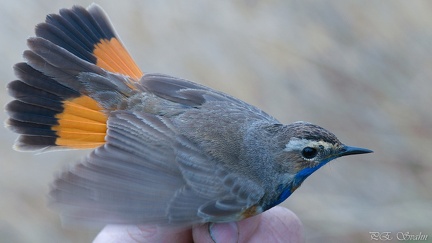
(216,232)
(224,232)
(282,211)
(284,224)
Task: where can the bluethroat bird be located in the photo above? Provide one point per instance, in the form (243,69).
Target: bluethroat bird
(167,151)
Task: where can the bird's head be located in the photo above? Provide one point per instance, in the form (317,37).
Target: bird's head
(306,148)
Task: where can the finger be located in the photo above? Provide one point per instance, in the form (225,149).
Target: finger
(136,233)
(227,232)
(278,224)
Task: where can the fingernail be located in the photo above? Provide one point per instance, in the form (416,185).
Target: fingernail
(224,232)
(146,231)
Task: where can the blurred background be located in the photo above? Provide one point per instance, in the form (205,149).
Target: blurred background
(362,69)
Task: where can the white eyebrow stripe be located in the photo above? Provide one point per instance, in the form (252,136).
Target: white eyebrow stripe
(297,144)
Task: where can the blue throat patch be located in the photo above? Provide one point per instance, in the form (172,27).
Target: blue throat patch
(298,179)
(304,173)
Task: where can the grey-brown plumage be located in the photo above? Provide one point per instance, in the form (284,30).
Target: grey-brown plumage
(175,153)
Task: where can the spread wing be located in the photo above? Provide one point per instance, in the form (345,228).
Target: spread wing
(77,90)
(146,173)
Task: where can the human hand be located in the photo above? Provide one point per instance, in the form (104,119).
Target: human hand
(278,224)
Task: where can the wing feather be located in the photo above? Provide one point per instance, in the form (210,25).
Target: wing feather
(146,173)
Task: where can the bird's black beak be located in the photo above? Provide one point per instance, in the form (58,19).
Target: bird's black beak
(349,150)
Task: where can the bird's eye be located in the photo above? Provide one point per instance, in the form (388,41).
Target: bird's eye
(309,153)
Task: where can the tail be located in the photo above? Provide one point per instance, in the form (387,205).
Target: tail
(52,108)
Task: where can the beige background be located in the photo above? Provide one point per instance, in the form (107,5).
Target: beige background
(362,69)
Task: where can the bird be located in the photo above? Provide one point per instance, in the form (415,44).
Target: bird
(165,151)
